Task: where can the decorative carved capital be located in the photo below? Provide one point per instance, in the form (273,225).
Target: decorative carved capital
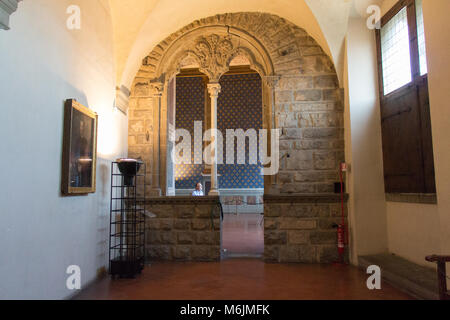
(271,81)
(213,54)
(214,89)
(7,7)
(156,89)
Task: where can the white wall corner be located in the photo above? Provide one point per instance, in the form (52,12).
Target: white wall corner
(122,98)
(7,8)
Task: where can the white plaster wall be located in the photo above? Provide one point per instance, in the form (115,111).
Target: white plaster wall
(128,17)
(43,63)
(367,206)
(437,37)
(413,231)
(387,5)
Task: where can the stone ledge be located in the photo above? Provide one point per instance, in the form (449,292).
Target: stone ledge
(304,198)
(425,198)
(182,200)
(418,281)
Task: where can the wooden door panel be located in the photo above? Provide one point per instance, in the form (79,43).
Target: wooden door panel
(402,146)
(427,140)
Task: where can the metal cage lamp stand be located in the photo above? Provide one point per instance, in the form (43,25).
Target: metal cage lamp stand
(127,218)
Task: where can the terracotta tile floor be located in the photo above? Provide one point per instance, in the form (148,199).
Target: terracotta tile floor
(243,279)
(243,233)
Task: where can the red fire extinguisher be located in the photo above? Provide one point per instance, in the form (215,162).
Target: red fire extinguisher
(341,241)
(341,232)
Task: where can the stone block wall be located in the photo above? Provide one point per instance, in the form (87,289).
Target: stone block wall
(312,137)
(185,229)
(309,111)
(300,228)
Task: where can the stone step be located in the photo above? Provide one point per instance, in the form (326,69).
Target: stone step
(418,281)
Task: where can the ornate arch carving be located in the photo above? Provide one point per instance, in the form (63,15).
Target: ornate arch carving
(213,48)
(266,50)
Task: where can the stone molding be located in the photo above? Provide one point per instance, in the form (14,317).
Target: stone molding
(7,7)
(227,191)
(156,89)
(271,81)
(122,99)
(212,43)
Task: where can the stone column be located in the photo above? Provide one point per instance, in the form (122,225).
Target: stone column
(170,111)
(270,122)
(156,92)
(207,119)
(214,90)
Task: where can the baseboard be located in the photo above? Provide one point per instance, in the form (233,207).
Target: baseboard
(101,274)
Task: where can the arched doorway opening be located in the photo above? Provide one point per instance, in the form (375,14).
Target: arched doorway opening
(240,117)
(240,183)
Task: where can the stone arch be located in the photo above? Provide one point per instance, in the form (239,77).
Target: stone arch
(213,47)
(289,42)
(296,74)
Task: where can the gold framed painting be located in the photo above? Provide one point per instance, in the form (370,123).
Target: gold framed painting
(79,158)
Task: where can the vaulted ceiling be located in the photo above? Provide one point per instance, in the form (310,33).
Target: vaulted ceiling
(139,25)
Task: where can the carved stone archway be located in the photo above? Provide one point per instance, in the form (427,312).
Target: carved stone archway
(301,96)
(291,64)
(212,48)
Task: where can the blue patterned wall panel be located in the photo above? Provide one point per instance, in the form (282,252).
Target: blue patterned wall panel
(190,107)
(239,107)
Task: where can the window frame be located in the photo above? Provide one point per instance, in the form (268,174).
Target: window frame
(395,104)
(413,47)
